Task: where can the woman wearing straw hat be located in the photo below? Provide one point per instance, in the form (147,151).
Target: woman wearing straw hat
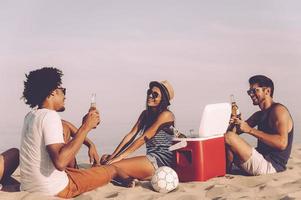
(153,126)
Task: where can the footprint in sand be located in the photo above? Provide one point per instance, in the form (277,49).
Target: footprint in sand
(214,191)
(262,187)
(218,198)
(292,186)
(229,177)
(83,197)
(287,198)
(188,196)
(209,187)
(113,195)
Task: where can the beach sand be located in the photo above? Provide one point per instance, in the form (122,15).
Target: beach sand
(285,185)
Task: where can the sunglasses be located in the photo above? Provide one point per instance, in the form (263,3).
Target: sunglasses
(254,90)
(63,90)
(152,94)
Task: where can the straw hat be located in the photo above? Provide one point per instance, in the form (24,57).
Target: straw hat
(165,86)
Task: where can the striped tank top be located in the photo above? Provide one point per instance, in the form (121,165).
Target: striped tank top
(158,146)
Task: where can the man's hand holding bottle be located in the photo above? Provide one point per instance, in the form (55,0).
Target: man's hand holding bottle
(91,119)
(241,125)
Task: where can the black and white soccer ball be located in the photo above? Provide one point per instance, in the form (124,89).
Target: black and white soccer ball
(165,180)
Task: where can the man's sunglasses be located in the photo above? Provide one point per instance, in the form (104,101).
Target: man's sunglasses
(152,94)
(254,90)
(63,90)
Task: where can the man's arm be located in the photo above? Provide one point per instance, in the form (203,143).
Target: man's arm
(280,122)
(253,120)
(73,132)
(92,152)
(62,154)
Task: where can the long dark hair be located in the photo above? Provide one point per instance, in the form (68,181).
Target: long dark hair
(150,115)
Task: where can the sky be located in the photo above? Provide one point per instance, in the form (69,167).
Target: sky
(206,49)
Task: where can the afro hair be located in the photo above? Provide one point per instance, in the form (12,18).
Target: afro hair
(39,84)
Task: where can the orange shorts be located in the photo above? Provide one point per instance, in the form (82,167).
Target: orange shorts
(83,180)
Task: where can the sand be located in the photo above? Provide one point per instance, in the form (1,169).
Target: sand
(285,186)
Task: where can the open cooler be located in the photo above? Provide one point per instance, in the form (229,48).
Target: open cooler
(204,157)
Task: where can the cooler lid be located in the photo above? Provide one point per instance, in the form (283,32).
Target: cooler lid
(215,119)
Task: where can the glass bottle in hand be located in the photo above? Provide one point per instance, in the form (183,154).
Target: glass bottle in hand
(234,113)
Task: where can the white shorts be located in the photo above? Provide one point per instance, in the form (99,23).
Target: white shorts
(257,165)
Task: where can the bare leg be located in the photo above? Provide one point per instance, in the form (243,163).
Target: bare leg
(9,161)
(229,159)
(67,138)
(137,167)
(238,147)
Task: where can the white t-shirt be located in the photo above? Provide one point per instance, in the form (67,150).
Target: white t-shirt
(38,173)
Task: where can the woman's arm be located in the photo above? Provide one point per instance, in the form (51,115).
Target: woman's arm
(127,138)
(164,117)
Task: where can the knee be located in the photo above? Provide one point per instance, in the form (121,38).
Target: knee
(112,170)
(11,156)
(229,137)
(13,152)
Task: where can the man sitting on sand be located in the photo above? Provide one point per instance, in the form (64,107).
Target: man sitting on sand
(274,133)
(45,158)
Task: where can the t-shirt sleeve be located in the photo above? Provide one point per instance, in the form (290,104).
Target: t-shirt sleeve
(52,128)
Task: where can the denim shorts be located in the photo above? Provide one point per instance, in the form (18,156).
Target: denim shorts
(155,162)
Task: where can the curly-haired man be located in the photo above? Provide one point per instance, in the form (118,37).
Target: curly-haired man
(47,155)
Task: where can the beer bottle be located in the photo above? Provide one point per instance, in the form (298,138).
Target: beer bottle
(93,102)
(234,113)
(176,132)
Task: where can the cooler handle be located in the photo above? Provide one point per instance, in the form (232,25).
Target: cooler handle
(178,145)
(186,153)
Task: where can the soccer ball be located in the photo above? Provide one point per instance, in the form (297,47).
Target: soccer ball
(165,180)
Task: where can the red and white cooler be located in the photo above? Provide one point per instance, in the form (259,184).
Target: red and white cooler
(199,159)
(204,157)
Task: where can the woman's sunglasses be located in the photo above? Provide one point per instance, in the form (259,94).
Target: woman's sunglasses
(152,94)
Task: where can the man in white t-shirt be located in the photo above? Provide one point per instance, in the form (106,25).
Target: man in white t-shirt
(46,159)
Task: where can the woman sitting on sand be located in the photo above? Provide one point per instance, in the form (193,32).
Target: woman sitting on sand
(9,161)
(153,126)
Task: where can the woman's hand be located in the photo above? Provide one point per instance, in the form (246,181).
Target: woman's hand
(116,159)
(93,155)
(105,158)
